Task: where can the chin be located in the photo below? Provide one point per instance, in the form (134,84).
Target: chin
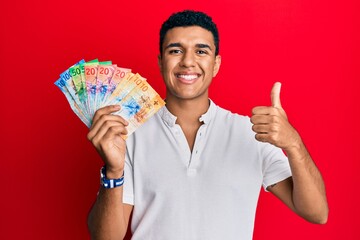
(191,96)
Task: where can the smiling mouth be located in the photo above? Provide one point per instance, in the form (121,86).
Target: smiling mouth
(187,77)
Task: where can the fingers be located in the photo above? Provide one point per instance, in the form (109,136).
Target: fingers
(264,124)
(265,119)
(265,128)
(270,123)
(103,120)
(267,123)
(105,111)
(267,132)
(265,137)
(265,111)
(106,119)
(275,95)
(107,131)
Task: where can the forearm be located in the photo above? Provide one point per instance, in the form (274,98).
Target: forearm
(107,218)
(308,194)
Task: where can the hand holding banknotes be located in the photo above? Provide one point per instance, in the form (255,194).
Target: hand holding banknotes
(105,134)
(89,86)
(112,102)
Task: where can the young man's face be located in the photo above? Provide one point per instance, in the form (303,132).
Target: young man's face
(188,62)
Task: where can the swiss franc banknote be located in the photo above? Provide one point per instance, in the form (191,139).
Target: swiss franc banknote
(91,85)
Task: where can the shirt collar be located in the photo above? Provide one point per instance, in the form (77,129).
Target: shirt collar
(170,119)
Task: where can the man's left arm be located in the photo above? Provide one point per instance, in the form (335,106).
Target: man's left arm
(304,192)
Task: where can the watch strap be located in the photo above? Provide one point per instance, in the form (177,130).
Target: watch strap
(110,183)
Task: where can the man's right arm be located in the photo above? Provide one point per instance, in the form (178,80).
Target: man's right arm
(109,217)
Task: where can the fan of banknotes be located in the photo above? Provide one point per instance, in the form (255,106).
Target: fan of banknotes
(91,85)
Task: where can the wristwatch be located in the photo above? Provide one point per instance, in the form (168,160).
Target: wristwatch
(110,183)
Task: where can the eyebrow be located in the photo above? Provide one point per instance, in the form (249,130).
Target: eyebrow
(203,45)
(198,45)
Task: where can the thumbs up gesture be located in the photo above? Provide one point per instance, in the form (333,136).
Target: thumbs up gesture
(271,123)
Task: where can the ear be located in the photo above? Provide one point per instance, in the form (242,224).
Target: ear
(160,63)
(217,65)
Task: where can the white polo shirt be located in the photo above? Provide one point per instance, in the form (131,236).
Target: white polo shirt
(209,193)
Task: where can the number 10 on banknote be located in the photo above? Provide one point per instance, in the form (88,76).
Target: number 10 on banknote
(91,85)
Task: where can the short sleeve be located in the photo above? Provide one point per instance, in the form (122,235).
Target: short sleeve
(275,165)
(128,190)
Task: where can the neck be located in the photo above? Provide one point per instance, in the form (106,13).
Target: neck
(187,111)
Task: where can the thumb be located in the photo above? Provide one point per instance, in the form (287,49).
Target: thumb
(275,95)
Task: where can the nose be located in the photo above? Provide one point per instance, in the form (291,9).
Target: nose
(188,59)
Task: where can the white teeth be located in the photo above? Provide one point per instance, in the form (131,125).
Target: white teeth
(187,77)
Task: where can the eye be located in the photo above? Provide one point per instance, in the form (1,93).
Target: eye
(175,51)
(201,52)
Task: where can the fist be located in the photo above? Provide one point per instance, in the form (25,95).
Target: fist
(271,124)
(106,134)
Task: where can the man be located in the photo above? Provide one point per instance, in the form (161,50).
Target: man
(194,170)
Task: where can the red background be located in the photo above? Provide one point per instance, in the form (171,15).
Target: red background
(49,171)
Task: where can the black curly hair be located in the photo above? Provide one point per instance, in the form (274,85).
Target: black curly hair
(189,18)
